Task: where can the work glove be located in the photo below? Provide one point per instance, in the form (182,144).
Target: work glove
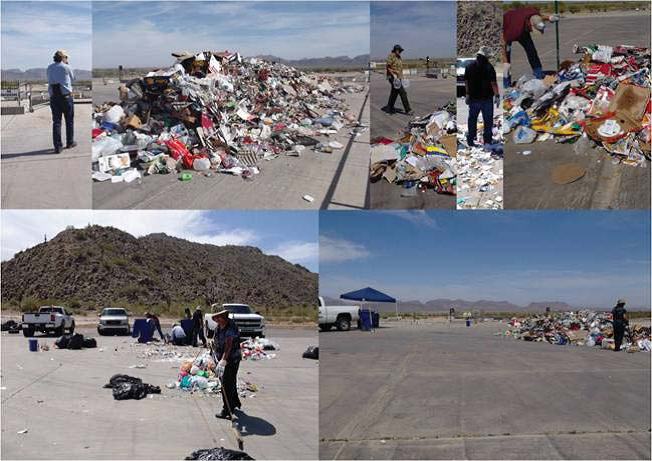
(497,100)
(220,368)
(553,18)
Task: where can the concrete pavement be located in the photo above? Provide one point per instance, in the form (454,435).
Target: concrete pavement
(58,397)
(33,176)
(425,95)
(336,181)
(527,180)
(436,391)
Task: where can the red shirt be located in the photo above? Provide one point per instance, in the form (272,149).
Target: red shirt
(515,22)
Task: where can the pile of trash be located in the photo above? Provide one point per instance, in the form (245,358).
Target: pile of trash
(217,454)
(581,328)
(216,112)
(480,169)
(200,375)
(422,158)
(258,349)
(75,341)
(11,326)
(603,100)
(127,387)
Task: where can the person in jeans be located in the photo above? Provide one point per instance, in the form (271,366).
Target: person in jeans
(198,327)
(156,323)
(226,352)
(517,25)
(60,78)
(481,94)
(619,321)
(394,69)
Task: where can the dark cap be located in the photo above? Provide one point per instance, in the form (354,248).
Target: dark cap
(397,47)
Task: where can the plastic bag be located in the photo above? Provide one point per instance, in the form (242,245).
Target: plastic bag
(218,453)
(105,146)
(524,135)
(114,114)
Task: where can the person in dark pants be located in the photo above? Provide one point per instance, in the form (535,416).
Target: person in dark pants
(517,25)
(620,322)
(60,78)
(394,70)
(157,324)
(198,327)
(481,94)
(226,352)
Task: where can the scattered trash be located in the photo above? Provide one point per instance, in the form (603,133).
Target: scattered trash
(140,365)
(422,157)
(602,100)
(255,349)
(218,453)
(24,431)
(311,353)
(581,328)
(128,387)
(216,112)
(309,198)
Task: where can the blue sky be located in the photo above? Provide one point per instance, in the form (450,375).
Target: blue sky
(289,234)
(583,258)
(421,28)
(33,31)
(145,33)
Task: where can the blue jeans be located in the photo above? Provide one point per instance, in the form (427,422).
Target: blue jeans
(486,106)
(62,105)
(532,56)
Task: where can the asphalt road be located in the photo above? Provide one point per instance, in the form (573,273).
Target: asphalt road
(425,95)
(58,397)
(335,181)
(33,176)
(440,391)
(527,179)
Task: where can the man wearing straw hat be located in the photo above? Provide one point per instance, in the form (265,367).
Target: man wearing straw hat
(226,352)
(394,70)
(60,78)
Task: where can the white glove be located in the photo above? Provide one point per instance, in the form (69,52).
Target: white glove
(553,18)
(220,368)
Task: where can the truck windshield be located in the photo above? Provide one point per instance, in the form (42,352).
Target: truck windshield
(239,309)
(114,312)
(55,310)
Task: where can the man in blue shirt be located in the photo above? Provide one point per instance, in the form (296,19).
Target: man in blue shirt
(60,78)
(226,353)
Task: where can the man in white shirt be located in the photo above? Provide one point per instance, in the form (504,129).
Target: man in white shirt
(178,335)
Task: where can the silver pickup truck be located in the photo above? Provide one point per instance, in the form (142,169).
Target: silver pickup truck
(48,319)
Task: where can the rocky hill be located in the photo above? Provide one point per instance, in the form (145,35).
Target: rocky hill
(99,266)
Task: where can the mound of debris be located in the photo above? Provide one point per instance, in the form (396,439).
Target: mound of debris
(217,454)
(127,387)
(216,112)
(479,24)
(603,99)
(422,158)
(581,328)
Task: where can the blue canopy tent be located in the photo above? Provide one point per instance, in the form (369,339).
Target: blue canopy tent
(370,295)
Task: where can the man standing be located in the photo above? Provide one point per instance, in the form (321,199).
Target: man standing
(481,94)
(60,78)
(619,314)
(517,25)
(226,353)
(394,68)
(198,327)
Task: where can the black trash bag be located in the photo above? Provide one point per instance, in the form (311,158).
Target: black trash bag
(76,341)
(11,326)
(63,342)
(118,379)
(311,353)
(217,453)
(136,391)
(90,343)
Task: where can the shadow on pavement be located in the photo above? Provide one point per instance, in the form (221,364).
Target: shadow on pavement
(253,425)
(30,154)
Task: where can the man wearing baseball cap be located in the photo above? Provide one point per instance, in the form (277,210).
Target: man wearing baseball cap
(517,25)
(60,78)
(619,321)
(394,69)
(481,95)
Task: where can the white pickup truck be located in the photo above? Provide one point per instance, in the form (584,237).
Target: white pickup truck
(48,319)
(339,316)
(249,321)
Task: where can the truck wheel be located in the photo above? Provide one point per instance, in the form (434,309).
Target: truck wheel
(325,326)
(28,332)
(343,324)
(71,330)
(100,332)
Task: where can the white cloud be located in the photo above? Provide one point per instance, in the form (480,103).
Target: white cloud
(333,250)
(417,217)
(26,228)
(298,252)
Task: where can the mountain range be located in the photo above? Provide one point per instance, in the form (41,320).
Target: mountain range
(39,74)
(328,62)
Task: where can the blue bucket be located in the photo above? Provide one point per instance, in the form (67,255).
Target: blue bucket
(33,345)
(468,322)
